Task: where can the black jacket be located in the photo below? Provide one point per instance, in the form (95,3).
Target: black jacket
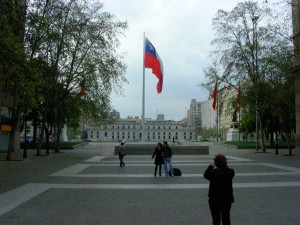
(158,156)
(220,187)
(167,152)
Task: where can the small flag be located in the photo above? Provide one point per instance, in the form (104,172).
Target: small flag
(153,61)
(81,92)
(214,97)
(226,87)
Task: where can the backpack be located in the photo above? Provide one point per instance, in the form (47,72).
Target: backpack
(177,172)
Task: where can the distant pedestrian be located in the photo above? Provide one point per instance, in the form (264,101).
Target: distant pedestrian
(220,190)
(167,156)
(158,158)
(122,153)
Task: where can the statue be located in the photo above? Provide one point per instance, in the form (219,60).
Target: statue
(234,116)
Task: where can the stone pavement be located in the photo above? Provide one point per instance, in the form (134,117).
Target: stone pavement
(87,186)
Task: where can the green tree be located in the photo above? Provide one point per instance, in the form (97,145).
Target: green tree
(13,63)
(79,41)
(246,37)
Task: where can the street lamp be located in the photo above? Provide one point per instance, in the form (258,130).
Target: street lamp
(254,21)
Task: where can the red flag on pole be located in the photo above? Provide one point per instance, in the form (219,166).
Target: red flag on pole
(153,61)
(214,97)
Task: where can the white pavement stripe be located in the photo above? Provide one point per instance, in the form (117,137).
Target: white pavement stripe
(152,161)
(96,159)
(183,175)
(172,186)
(11,199)
(120,175)
(175,163)
(130,186)
(73,171)
(266,184)
(15,197)
(288,168)
(175,159)
(77,168)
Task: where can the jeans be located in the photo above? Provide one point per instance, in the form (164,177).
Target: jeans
(166,162)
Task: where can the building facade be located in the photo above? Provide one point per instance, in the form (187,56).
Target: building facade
(130,129)
(208,115)
(194,113)
(226,96)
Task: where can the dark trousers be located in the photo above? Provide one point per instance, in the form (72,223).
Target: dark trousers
(220,212)
(156,169)
(122,164)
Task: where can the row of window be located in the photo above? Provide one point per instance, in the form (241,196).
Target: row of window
(140,127)
(148,137)
(118,132)
(133,135)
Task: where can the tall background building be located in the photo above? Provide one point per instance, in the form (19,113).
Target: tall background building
(194,114)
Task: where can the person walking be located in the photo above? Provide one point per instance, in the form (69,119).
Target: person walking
(158,161)
(122,153)
(220,192)
(167,156)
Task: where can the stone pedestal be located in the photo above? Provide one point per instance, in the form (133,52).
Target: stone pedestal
(233,132)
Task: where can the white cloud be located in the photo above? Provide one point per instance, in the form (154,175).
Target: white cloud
(181,33)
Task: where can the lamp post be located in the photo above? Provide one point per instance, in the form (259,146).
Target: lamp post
(255,67)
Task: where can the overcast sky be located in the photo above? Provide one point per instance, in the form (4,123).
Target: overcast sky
(181,32)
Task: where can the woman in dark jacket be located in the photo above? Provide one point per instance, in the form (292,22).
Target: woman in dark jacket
(158,158)
(220,190)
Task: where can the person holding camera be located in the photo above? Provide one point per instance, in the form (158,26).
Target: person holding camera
(220,192)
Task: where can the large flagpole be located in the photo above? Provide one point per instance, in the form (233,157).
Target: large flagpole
(143,101)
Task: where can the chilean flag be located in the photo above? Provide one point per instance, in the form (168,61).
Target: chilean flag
(153,61)
(214,97)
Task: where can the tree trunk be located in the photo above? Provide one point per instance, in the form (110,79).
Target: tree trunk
(289,141)
(272,138)
(41,138)
(15,127)
(261,135)
(47,140)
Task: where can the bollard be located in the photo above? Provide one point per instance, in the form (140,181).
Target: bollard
(276,148)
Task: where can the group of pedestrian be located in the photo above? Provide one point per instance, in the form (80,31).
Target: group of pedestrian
(220,192)
(220,176)
(163,155)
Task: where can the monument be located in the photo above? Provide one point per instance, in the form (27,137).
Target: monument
(233,132)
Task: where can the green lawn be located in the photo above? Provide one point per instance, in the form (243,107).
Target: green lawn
(252,145)
(62,145)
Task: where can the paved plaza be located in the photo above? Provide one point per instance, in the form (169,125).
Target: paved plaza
(87,186)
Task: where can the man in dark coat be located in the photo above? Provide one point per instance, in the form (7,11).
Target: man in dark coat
(167,155)
(122,153)
(220,190)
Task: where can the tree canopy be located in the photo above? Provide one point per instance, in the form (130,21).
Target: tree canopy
(253,49)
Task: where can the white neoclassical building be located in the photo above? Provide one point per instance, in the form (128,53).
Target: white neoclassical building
(130,129)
